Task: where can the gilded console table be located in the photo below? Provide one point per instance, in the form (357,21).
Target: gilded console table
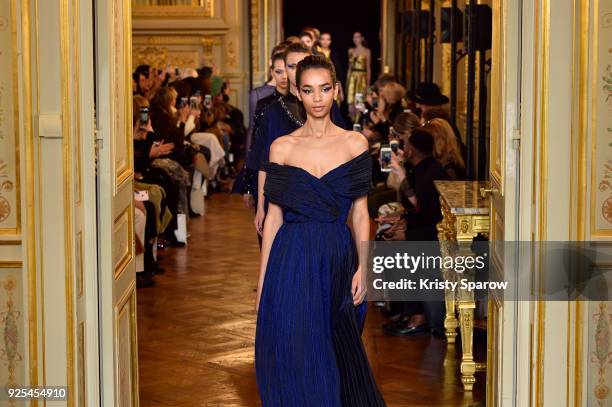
(465,214)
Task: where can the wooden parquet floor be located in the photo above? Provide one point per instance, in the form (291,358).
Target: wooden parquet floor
(196,328)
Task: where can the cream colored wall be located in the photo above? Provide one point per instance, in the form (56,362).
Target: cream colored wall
(592,186)
(564,148)
(47,251)
(16,278)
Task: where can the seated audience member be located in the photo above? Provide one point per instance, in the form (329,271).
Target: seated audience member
(446,148)
(388,107)
(170,124)
(417,185)
(168,120)
(443,112)
(215,121)
(152,81)
(162,192)
(177,163)
(418,191)
(403,125)
(143,279)
(426,96)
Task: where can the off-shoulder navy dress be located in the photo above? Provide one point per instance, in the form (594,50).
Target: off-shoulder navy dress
(308,348)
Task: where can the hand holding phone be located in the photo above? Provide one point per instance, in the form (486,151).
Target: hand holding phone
(144,117)
(394,144)
(208,101)
(397,165)
(184,113)
(385,158)
(359,104)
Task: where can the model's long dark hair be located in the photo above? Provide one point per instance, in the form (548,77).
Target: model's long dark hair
(315,62)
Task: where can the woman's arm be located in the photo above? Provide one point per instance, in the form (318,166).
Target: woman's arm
(260,214)
(360,218)
(274,220)
(397,168)
(361,229)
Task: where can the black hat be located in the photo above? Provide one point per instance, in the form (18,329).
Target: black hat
(427,93)
(204,72)
(421,141)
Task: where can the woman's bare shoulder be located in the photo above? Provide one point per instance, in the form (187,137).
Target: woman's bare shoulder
(287,139)
(355,142)
(279,149)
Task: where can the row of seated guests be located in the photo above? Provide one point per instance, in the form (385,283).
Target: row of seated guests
(183,150)
(405,202)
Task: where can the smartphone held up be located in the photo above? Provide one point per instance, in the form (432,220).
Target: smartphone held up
(144,117)
(385,158)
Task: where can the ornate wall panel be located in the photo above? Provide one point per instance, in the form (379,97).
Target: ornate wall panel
(184,51)
(123,240)
(9,119)
(13,316)
(12,363)
(125,335)
(599,323)
(601,169)
(122,140)
(600,354)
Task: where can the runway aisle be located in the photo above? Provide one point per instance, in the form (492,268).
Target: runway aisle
(196,328)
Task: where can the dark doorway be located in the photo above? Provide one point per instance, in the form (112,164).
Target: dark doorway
(340,18)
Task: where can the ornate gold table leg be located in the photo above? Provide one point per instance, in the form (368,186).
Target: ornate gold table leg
(446,237)
(450,321)
(466,306)
(466,323)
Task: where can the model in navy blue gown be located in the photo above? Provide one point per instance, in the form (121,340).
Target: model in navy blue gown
(308,346)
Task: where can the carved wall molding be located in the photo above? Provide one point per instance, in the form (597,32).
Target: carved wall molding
(231,60)
(255,36)
(161,56)
(176,39)
(180,50)
(204,8)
